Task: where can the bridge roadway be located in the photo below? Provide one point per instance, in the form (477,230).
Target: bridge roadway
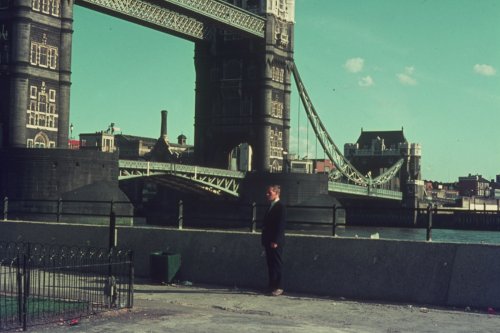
(190,19)
(220,181)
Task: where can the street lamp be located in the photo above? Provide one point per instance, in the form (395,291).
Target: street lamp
(285,162)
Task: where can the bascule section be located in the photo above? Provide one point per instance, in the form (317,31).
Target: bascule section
(35,73)
(243,90)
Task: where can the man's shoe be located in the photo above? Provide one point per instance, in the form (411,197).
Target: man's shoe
(277,292)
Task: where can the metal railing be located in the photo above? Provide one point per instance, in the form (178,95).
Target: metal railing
(78,211)
(46,283)
(326,220)
(235,215)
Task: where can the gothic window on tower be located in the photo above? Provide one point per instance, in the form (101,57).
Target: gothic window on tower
(281,33)
(46,6)
(43,58)
(278,74)
(35,5)
(277,105)
(42,108)
(276,143)
(43,55)
(49,7)
(41,140)
(277,108)
(56,5)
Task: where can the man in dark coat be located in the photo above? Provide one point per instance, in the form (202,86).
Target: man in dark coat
(273,238)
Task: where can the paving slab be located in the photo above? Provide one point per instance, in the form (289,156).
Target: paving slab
(200,308)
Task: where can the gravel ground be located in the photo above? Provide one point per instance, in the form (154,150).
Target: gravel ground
(178,308)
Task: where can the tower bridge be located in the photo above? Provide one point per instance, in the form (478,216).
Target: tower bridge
(243,56)
(223,181)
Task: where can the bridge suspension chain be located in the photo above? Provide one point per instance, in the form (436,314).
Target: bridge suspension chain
(343,166)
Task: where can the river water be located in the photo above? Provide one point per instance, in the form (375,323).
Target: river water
(438,235)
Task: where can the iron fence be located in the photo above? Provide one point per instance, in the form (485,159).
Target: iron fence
(76,211)
(45,283)
(235,215)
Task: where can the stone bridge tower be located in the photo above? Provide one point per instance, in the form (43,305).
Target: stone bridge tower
(35,71)
(243,90)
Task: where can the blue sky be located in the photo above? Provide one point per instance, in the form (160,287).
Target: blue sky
(428,66)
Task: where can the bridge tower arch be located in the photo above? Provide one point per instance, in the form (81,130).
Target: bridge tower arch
(243,88)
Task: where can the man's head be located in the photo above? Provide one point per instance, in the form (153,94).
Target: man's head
(273,192)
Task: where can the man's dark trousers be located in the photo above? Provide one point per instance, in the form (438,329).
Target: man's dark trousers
(274,258)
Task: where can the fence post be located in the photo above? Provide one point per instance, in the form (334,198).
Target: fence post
(334,221)
(112,226)
(19,280)
(130,300)
(180,218)
(5,208)
(59,209)
(254,217)
(26,284)
(429,223)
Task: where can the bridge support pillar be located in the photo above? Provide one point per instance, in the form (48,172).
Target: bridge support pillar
(35,73)
(243,92)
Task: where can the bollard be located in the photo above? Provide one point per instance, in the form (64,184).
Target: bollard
(254,218)
(5,208)
(334,221)
(429,223)
(180,218)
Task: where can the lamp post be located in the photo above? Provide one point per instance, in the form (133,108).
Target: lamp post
(285,168)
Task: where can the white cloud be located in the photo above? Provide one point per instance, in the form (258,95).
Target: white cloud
(366,81)
(485,70)
(354,65)
(406,77)
(409,70)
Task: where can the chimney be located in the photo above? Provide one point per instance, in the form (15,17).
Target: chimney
(163,133)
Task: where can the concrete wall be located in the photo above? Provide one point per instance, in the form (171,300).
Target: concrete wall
(48,173)
(395,271)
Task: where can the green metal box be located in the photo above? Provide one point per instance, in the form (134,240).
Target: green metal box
(164,266)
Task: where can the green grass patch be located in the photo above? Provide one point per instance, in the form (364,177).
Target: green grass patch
(38,307)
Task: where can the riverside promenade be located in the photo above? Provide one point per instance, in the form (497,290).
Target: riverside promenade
(201,308)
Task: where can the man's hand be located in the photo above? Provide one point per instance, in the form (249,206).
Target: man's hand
(274,245)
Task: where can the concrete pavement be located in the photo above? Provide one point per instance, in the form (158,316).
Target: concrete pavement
(197,308)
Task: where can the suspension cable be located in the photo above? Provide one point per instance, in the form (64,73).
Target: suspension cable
(342,165)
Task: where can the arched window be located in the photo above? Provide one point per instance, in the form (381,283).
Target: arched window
(275,166)
(41,140)
(240,157)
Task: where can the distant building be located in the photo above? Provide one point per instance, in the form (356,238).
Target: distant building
(103,141)
(441,192)
(474,185)
(132,147)
(376,151)
(301,166)
(73,144)
(323,166)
